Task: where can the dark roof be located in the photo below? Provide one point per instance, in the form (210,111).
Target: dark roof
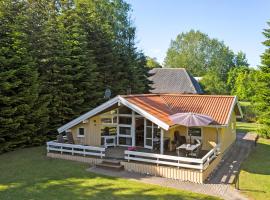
(173,80)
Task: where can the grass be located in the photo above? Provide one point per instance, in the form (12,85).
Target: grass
(29,174)
(244,127)
(255,173)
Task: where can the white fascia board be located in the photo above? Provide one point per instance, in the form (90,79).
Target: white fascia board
(235,102)
(89,114)
(240,109)
(144,113)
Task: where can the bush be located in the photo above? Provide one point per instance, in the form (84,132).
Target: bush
(248,112)
(264,132)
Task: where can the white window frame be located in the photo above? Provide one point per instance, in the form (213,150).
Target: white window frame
(152,126)
(78,132)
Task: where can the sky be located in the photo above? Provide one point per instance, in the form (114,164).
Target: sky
(238,23)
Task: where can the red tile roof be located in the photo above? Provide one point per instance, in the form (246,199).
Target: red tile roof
(162,105)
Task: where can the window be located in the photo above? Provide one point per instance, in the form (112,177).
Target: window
(80,132)
(109,120)
(124,110)
(125,120)
(195,132)
(108,130)
(125,141)
(124,130)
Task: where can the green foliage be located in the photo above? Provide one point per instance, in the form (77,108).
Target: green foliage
(57,58)
(212,84)
(241,82)
(152,63)
(249,114)
(206,57)
(264,132)
(240,59)
(199,54)
(262,96)
(22,111)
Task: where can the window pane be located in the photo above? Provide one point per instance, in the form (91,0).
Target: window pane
(115,120)
(124,130)
(148,142)
(195,132)
(148,132)
(148,123)
(125,120)
(108,130)
(156,132)
(125,141)
(106,120)
(81,131)
(124,110)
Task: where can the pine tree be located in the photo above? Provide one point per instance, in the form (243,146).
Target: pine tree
(19,87)
(262,97)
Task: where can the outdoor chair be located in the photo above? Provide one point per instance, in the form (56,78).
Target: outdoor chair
(60,138)
(196,152)
(70,138)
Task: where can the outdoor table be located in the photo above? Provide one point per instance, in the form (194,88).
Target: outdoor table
(187,147)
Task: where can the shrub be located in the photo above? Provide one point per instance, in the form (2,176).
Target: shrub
(264,132)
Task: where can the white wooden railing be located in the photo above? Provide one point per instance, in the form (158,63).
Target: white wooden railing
(75,149)
(177,161)
(109,141)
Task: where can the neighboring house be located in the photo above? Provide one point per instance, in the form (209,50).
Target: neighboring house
(173,80)
(137,130)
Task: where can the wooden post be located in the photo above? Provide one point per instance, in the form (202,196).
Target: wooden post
(161,141)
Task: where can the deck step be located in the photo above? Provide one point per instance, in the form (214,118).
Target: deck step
(111,161)
(110,164)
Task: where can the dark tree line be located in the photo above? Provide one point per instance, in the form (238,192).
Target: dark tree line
(57,57)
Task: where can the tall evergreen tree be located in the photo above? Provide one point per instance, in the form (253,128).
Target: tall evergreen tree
(19,87)
(262,97)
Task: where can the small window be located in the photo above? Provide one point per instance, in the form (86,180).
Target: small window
(81,132)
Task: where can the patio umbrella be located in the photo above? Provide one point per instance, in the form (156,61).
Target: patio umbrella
(191,119)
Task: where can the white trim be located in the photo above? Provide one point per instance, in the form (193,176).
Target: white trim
(235,102)
(144,113)
(133,129)
(145,133)
(88,114)
(78,132)
(75,149)
(117,99)
(161,141)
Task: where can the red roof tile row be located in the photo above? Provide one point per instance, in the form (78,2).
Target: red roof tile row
(163,105)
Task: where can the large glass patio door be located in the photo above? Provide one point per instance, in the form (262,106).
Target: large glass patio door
(148,134)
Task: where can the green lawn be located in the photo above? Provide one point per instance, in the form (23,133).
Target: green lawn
(255,173)
(29,174)
(244,127)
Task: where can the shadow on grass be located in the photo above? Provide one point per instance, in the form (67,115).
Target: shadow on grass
(91,188)
(31,175)
(259,160)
